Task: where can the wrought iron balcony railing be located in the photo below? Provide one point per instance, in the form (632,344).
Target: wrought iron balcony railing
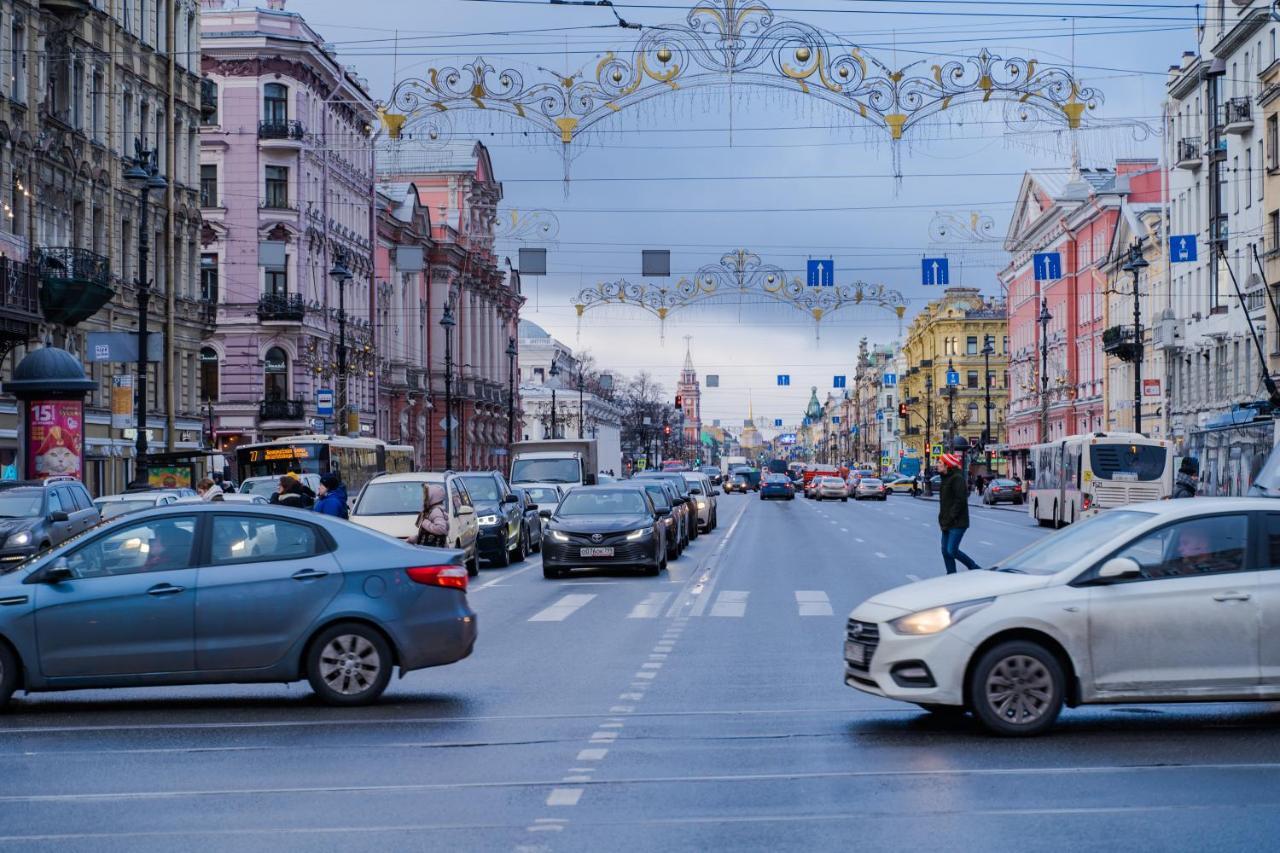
(76,283)
(286,307)
(281,130)
(1121,342)
(281,410)
(1188,150)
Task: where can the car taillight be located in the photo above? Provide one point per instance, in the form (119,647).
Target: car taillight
(454,577)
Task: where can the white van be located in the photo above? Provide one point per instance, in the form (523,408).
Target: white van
(390,504)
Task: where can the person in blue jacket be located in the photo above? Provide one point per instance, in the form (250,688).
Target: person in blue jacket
(332,498)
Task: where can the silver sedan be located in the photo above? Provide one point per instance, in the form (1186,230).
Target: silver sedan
(831,488)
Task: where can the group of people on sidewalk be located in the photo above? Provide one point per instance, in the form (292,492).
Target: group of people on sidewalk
(331,499)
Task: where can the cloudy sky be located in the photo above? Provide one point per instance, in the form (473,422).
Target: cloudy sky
(766,169)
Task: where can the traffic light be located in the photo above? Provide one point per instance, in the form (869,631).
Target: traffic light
(902,411)
(679,402)
(666,429)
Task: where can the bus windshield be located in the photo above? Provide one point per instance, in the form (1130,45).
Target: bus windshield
(1127,461)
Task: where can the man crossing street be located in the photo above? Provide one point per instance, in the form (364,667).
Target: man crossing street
(953,513)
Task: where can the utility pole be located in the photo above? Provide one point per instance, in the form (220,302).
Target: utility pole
(1136,264)
(928,418)
(144,175)
(1045,317)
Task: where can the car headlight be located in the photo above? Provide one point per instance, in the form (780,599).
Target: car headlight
(639,534)
(702,504)
(488,519)
(22,537)
(558,536)
(937,619)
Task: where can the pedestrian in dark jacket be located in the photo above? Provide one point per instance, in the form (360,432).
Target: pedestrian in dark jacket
(1187,482)
(953,514)
(332,498)
(293,493)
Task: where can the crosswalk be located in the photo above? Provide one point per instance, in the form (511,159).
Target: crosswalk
(725,604)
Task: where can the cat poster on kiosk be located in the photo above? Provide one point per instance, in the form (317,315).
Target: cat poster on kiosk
(55,438)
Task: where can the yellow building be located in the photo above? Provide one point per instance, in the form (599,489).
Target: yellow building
(949,336)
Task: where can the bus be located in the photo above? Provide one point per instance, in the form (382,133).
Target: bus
(356,460)
(1081,475)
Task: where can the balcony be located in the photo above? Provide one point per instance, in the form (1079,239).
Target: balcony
(1187,153)
(67,7)
(19,300)
(1237,116)
(281,131)
(74,284)
(281,308)
(1120,342)
(281,410)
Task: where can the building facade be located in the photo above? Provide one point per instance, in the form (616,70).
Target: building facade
(287,246)
(83,82)
(948,336)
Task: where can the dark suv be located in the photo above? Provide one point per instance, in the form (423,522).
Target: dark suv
(500,516)
(35,515)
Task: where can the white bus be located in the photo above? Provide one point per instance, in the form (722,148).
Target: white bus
(356,460)
(1080,475)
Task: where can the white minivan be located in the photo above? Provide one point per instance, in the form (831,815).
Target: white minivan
(390,504)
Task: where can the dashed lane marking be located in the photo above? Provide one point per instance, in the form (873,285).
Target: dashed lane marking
(912,577)
(813,602)
(882,555)
(563,608)
(564,796)
(731,602)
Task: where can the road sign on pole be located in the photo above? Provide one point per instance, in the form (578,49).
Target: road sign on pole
(777,422)
(937,450)
(837,382)
(1182,248)
(879,415)
(822,273)
(784,379)
(1048,266)
(935,271)
(953,377)
(324,402)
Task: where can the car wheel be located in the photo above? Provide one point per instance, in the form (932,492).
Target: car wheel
(473,564)
(9,667)
(537,548)
(1016,689)
(349,664)
(503,559)
(522,546)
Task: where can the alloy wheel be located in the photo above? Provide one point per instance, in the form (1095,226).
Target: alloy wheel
(1020,690)
(349,664)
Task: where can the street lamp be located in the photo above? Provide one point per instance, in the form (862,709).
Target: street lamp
(553,373)
(447,323)
(988,350)
(341,274)
(581,382)
(1045,317)
(144,176)
(951,391)
(928,419)
(1136,264)
(512,352)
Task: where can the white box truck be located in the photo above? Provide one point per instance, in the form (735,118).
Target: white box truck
(562,461)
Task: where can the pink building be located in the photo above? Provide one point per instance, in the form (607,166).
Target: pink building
(1075,216)
(287,189)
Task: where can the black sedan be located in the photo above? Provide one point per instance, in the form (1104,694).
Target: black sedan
(529,506)
(604,526)
(1000,490)
(500,517)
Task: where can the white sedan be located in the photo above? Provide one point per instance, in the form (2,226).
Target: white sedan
(1170,601)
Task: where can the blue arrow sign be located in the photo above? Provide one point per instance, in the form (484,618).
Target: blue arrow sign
(953,377)
(784,378)
(879,415)
(891,380)
(835,419)
(837,382)
(935,271)
(1182,248)
(822,273)
(1048,266)
(777,422)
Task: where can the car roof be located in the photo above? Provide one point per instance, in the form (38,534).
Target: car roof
(131,496)
(415,477)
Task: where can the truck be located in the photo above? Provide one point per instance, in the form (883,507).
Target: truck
(564,462)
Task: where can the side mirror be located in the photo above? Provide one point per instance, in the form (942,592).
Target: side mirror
(59,515)
(466,509)
(57,573)
(544,513)
(532,507)
(1118,568)
(511,499)
(663,510)
(695,491)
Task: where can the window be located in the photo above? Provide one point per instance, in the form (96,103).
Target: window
(971,345)
(971,379)
(276,374)
(277,282)
(126,125)
(77,94)
(1004,345)
(209,277)
(1235,184)
(55,502)
(275,104)
(208,185)
(277,187)
(158,545)
(1273,231)
(97,108)
(973,413)
(208,374)
(242,539)
(18,61)
(208,101)
(1196,546)
(1248,177)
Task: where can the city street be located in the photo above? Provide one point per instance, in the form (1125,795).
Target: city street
(703,709)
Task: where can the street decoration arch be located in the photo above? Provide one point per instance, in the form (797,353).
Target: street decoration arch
(731,42)
(739,273)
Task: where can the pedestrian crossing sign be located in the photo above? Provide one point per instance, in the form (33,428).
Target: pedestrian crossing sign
(937,450)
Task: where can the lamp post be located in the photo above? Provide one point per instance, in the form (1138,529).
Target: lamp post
(144,176)
(1136,264)
(341,274)
(512,352)
(951,391)
(582,379)
(554,373)
(928,419)
(988,349)
(447,323)
(1045,317)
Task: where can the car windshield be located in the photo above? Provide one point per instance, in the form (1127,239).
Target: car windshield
(1059,550)
(1003,483)
(111,509)
(658,496)
(482,488)
(403,498)
(20,503)
(542,496)
(1127,461)
(545,471)
(619,502)
(777,479)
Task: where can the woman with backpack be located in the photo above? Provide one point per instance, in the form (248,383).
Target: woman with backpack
(433,521)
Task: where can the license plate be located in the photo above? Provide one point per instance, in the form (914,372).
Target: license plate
(596,552)
(855,653)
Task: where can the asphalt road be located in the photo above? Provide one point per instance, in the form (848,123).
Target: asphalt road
(700,710)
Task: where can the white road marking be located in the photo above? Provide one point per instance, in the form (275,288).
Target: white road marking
(813,602)
(882,555)
(576,778)
(912,577)
(592,754)
(651,665)
(651,607)
(645,675)
(533,564)
(564,796)
(856,539)
(985,542)
(611,725)
(622,709)
(604,737)
(730,603)
(563,608)
(631,697)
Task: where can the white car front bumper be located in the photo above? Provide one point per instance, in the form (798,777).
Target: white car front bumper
(928,670)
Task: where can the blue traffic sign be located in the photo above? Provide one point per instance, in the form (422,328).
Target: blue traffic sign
(1182,248)
(777,422)
(835,419)
(879,415)
(935,271)
(784,378)
(953,377)
(853,430)
(822,273)
(1048,266)
(324,402)
(837,382)
(891,380)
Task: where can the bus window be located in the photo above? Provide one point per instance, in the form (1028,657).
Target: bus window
(1127,461)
